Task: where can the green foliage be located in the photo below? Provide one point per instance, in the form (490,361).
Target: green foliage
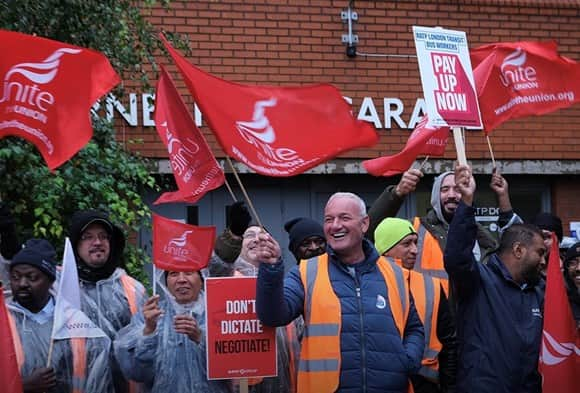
(104,175)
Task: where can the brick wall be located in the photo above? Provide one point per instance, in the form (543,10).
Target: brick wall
(280,42)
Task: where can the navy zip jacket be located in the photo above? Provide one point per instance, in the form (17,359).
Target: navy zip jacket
(373,357)
(499,322)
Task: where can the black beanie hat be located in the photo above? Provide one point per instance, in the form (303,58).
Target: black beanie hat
(549,222)
(38,253)
(301,228)
(571,253)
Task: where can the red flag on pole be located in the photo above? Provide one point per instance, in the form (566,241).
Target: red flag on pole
(518,79)
(181,247)
(424,140)
(560,353)
(194,167)
(9,372)
(276,131)
(48,88)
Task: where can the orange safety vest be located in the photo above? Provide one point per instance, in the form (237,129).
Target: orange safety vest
(79,352)
(430,257)
(131,295)
(320,357)
(427,295)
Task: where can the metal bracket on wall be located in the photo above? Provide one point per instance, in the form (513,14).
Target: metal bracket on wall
(350,39)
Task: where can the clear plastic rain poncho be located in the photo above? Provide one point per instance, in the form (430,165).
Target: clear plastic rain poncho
(34,333)
(166,361)
(105,302)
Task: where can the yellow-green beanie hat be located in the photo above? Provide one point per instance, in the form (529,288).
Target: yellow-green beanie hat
(390,232)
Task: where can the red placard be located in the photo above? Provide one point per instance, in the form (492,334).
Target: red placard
(238,345)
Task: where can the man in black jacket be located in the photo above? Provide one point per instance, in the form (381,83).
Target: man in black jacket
(499,314)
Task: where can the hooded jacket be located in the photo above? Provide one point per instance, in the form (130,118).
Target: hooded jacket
(109,296)
(166,361)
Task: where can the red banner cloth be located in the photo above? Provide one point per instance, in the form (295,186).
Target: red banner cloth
(194,167)
(9,372)
(179,247)
(518,79)
(424,140)
(48,88)
(560,353)
(276,131)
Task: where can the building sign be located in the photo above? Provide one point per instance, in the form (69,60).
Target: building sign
(384,113)
(447,77)
(238,345)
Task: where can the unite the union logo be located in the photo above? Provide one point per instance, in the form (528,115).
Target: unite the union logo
(516,74)
(176,246)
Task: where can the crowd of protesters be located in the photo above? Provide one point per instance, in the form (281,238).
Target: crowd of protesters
(374,303)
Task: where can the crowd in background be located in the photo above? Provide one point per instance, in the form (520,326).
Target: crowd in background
(374,303)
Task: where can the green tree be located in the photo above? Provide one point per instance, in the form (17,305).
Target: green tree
(104,175)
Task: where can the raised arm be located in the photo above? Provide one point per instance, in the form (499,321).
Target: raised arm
(390,201)
(459,261)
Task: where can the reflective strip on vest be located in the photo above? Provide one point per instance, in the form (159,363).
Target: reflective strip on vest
(129,290)
(311,273)
(429,373)
(321,330)
(16,340)
(318,365)
(430,257)
(79,351)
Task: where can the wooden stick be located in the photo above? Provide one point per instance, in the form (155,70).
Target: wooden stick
(244,385)
(459,145)
(490,150)
(250,205)
(230,190)
(50,347)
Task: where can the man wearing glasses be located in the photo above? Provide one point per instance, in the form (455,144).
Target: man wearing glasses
(109,296)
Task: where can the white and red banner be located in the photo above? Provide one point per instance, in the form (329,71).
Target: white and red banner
(518,79)
(69,320)
(238,345)
(560,353)
(48,88)
(194,167)
(276,131)
(180,247)
(424,140)
(447,77)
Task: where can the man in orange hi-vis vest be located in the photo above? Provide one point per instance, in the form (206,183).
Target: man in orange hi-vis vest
(77,364)
(432,228)
(362,332)
(396,238)
(109,296)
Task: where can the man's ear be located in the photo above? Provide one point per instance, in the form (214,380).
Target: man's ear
(365,223)
(518,250)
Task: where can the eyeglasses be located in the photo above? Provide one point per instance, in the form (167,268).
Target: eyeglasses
(573,263)
(91,237)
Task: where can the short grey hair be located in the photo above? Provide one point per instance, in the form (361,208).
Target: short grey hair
(358,200)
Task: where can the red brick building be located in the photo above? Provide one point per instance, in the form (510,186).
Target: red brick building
(280,42)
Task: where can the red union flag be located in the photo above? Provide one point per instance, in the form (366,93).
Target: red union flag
(9,372)
(48,88)
(194,167)
(276,131)
(560,353)
(181,247)
(424,140)
(518,79)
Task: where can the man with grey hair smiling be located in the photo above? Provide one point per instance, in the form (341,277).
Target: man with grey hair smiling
(362,332)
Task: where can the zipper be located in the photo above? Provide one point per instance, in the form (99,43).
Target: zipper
(362,334)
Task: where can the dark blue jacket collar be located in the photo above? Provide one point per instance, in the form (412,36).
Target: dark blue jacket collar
(371,257)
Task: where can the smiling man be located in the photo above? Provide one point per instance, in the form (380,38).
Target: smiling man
(109,296)
(499,315)
(163,346)
(362,332)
